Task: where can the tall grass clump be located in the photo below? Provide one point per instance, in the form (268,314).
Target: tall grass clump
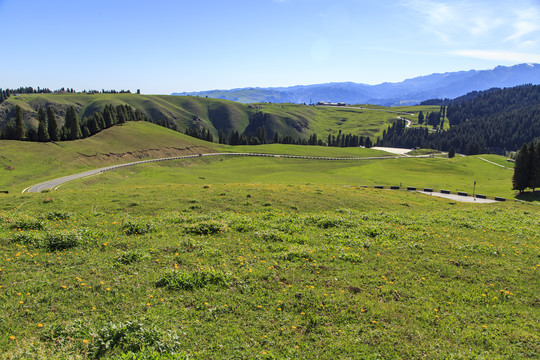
(207,227)
(182,280)
(25,238)
(131,227)
(60,240)
(28,223)
(111,338)
(58,215)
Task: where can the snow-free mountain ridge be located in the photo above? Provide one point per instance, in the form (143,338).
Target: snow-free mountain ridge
(408,92)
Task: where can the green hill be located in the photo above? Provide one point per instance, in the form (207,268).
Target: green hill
(215,115)
(24,163)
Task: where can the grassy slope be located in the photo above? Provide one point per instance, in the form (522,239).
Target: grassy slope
(299,271)
(215,114)
(23,163)
(26,163)
(456,174)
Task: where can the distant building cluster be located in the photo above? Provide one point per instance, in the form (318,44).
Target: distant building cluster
(321,103)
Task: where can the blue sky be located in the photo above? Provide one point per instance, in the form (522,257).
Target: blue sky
(165,46)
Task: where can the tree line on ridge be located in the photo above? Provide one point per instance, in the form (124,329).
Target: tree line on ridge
(494,121)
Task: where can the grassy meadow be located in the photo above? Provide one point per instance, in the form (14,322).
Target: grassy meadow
(265,271)
(260,258)
(457,174)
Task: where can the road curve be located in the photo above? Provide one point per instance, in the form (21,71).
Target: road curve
(461,198)
(55,183)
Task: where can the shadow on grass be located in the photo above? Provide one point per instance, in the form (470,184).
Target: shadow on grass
(529,196)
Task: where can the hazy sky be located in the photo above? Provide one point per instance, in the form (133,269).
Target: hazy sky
(165,46)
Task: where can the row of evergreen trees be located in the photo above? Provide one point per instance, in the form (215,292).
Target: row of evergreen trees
(527,168)
(49,130)
(260,137)
(347,140)
(434,118)
(5,93)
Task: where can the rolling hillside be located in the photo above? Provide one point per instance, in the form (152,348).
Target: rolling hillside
(181,112)
(25,163)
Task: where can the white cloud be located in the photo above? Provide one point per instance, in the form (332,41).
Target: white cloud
(496,55)
(464,22)
(525,27)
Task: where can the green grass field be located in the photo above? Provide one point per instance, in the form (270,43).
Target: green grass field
(24,163)
(263,258)
(265,271)
(456,174)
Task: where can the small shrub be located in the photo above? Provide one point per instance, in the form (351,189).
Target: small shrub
(242,225)
(177,280)
(351,257)
(60,241)
(26,239)
(297,255)
(137,228)
(189,245)
(28,224)
(131,336)
(58,215)
(270,235)
(372,232)
(128,257)
(207,227)
(328,221)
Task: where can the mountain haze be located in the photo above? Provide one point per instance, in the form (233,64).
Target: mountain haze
(408,92)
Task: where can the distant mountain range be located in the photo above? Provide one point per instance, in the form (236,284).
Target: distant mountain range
(408,92)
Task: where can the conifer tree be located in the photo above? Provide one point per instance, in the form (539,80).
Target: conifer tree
(451,152)
(20,128)
(536,172)
(276,138)
(532,160)
(222,139)
(121,116)
(52,125)
(43,131)
(72,126)
(520,179)
(368,143)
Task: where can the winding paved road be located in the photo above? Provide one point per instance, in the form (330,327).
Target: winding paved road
(53,184)
(461,198)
